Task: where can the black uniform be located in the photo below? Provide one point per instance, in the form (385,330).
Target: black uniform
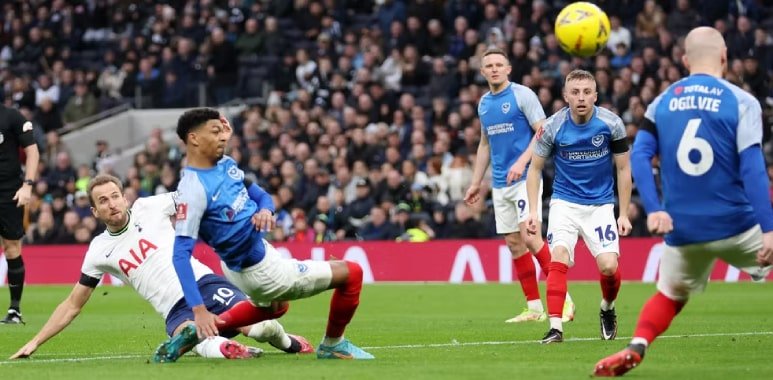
(15,134)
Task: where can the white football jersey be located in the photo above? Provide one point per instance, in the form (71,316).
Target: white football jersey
(141,253)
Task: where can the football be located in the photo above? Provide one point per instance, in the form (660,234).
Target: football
(582,29)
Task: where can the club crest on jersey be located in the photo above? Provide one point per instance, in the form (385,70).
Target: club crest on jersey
(505,107)
(235,173)
(228,213)
(597,140)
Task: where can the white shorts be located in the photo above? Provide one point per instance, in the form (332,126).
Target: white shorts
(278,279)
(596,224)
(511,206)
(687,268)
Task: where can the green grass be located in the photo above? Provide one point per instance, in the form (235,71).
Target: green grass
(415,331)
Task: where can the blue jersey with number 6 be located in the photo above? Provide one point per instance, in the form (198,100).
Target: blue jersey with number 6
(702,124)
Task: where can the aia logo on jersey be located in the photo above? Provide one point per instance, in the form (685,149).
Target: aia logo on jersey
(182,211)
(505,107)
(235,173)
(597,140)
(678,90)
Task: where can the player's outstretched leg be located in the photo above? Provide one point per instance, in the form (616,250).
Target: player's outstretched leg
(347,281)
(218,347)
(177,346)
(273,333)
(655,317)
(245,313)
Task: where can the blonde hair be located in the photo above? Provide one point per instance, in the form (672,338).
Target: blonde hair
(579,75)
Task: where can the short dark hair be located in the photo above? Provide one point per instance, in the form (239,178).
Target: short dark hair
(494,50)
(102,179)
(192,119)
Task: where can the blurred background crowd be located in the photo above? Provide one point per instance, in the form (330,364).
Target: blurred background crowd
(360,116)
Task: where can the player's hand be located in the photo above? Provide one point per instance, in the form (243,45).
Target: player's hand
(264,220)
(516,172)
(659,223)
(624,225)
(227,129)
(472,195)
(765,254)
(22,196)
(25,351)
(206,322)
(532,221)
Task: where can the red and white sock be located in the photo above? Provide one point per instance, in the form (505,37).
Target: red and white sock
(655,317)
(527,276)
(343,304)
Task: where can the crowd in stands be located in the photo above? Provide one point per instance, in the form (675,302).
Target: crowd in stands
(365,125)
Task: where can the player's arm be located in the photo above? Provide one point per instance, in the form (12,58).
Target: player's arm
(23,129)
(533,178)
(191,198)
(754,175)
(624,185)
(264,218)
(61,317)
(645,148)
(481,164)
(516,171)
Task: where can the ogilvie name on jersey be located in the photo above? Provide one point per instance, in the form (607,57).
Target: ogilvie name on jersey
(692,102)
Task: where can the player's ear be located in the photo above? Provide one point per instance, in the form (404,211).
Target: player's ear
(94,212)
(686,62)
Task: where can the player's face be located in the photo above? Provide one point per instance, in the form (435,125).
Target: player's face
(581,96)
(496,69)
(210,139)
(110,205)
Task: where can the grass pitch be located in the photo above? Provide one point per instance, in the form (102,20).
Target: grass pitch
(416,332)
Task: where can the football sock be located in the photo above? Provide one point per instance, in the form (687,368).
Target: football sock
(535,305)
(543,257)
(610,286)
(210,347)
(556,294)
(245,313)
(527,276)
(15,281)
(655,317)
(344,302)
(272,332)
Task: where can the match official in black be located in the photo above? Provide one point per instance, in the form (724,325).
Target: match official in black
(15,190)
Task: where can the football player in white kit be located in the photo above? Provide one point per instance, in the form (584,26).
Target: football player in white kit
(137,248)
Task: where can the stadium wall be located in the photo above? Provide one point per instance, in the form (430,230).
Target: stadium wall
(451,261)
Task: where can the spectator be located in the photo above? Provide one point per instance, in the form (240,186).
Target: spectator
(81,105)
(378,228)
(465,226)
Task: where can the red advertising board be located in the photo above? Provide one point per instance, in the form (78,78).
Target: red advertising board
(451,261)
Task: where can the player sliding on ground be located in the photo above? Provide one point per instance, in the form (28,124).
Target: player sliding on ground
(716,205)
(217,206)
(137,248)
(583,140)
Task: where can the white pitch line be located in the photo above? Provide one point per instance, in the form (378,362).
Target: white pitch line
(403,346)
